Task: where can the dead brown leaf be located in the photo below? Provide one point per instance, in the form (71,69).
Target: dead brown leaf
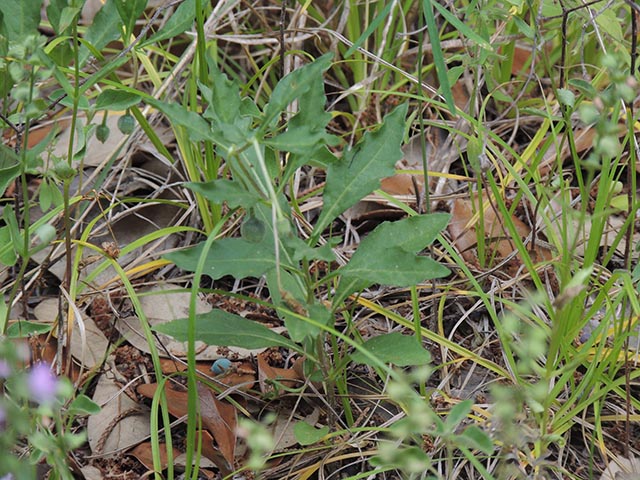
(121,422)
(268,376)
(218,417)
(464,232)
(242,375)
(144,455)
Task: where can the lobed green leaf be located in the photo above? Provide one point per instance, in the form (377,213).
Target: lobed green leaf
(228,256)
(387,255)
(360,171)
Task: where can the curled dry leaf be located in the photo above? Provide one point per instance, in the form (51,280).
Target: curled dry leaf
(221,420)
(408,187)
(621,468)
(161,305)
(89,472)
(88,344)
(97,152)
(282,429)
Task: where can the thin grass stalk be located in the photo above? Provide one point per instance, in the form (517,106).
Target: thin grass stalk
(193,445)
(64,330)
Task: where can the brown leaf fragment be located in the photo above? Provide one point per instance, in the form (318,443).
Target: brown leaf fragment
(176,400)
(121,423)
(243,375)
(220,419)
(267,374)
(144,455)
(464,231)
(401,184)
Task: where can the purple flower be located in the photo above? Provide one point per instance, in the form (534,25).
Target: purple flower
(5,371)
(43,385)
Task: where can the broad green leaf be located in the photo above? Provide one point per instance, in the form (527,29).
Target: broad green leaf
(294,85)
(8,255)
(17,236)
(61,16)
(477,439)
(398,268)
(9,167)
(388,255)
(524,28)
(224,97)
(46,234)
(551,8)
(457,414)
(298,328)
(229,191)
(178,23)
(104,29)
(400,350)
(198,128)
(228,256)
(308,434)
(129,11)
(226,111)
(320,157)
(566,97)
(68,17)
(116,99)
(26,328)
(411,234)
(287,292)
(584,87)
(21,17)
(45,196)
(306,131)
(360,171)
(225,329)
(300,250)
(83,405)
(609,23)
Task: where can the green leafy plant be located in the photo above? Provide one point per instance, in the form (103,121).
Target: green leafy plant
(251,142)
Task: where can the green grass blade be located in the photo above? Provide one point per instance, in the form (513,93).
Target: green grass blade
(438,58)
